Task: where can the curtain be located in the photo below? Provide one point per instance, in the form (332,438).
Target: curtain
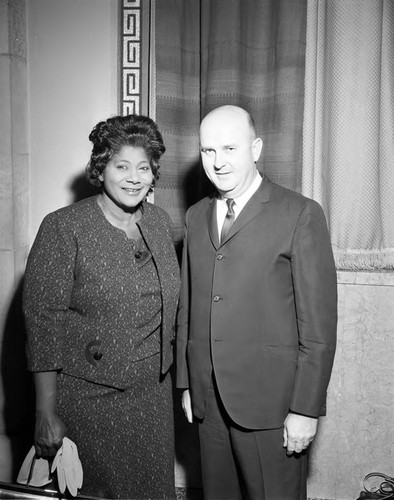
(249,53)
(349,127)
(177,53)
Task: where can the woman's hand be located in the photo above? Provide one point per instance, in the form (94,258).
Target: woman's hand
(48,434)
(49,429)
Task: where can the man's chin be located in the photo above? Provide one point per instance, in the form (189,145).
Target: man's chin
(224,187)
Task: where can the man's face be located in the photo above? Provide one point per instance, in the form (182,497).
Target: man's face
(229,151)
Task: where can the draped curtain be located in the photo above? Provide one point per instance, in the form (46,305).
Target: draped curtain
(244,52)
(318,78)
(349,126)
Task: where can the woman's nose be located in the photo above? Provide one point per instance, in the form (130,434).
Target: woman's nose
(133,176)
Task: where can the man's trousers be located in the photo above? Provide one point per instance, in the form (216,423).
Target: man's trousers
(244,464)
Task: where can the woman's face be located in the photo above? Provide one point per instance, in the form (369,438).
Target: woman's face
(127,177)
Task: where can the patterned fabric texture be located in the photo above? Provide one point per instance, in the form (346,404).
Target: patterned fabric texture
(85,292)
(349,127)
(100,308)
(125,438)
(243,52)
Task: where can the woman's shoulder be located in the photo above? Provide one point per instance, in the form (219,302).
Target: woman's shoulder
(155,213)
(77,210)
(73,218)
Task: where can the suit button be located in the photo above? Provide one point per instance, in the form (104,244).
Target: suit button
(219,257)
(97,355)
(216,298)
(172,341)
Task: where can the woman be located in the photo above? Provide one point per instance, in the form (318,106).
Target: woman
(100,297)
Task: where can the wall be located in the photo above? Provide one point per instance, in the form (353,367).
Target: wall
(356,437)
(73,84)
(59,77)
(14,218)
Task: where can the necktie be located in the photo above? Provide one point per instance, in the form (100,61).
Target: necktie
(229,220)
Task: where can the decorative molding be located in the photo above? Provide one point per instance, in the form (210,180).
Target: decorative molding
(137,60)
(135,56)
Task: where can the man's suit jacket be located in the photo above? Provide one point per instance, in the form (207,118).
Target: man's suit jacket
(259,307)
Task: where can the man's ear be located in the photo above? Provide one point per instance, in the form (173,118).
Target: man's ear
(257,147)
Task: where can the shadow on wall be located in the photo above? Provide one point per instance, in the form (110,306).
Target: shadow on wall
(81,188)
(18,411)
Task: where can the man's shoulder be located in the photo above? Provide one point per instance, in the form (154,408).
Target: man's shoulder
(283,194)
(202,205)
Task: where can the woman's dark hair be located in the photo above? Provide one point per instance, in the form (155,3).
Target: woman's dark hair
(110,136)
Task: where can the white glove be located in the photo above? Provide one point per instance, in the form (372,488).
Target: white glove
(68,467)
(34,471)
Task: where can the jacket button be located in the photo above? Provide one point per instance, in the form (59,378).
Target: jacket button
(97,356)
(216,298)
(219,257)
(172,341)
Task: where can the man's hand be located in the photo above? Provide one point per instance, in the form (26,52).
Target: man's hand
(298,432)
(187,405)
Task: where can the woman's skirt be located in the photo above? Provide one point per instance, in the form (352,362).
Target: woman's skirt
(125,439)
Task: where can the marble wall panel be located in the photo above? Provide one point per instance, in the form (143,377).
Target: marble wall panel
(4,30)
(17,28)
(6,212)
(5,112)
(14,232)
(357,437)
(21,197)
(19,106)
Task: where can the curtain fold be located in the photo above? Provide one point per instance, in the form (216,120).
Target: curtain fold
(177,55)
(253,55)
(249,53)
(349,127)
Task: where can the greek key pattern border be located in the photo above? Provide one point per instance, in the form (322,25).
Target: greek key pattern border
(131,57)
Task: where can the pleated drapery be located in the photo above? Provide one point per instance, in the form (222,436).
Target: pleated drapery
(349,127)
(318,78)
(249,53)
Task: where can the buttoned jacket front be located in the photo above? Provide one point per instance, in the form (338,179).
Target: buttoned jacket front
(258,308)
(80,294)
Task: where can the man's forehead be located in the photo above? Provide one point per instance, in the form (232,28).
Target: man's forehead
(224,131)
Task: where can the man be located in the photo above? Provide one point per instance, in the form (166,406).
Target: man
(257,320)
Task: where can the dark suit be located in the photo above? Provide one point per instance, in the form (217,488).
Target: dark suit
(258,308)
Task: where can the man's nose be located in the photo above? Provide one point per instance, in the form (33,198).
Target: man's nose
(218,161)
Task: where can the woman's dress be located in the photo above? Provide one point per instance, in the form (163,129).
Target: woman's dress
(123,429)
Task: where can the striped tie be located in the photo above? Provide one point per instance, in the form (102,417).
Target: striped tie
(229,220)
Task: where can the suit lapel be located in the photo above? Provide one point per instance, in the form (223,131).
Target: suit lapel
(253,207)
(212,222)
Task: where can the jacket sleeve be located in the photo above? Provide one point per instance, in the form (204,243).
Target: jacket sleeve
(47,290)
(315,290)
(182,377)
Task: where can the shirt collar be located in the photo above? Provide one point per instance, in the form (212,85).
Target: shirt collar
(242,200)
